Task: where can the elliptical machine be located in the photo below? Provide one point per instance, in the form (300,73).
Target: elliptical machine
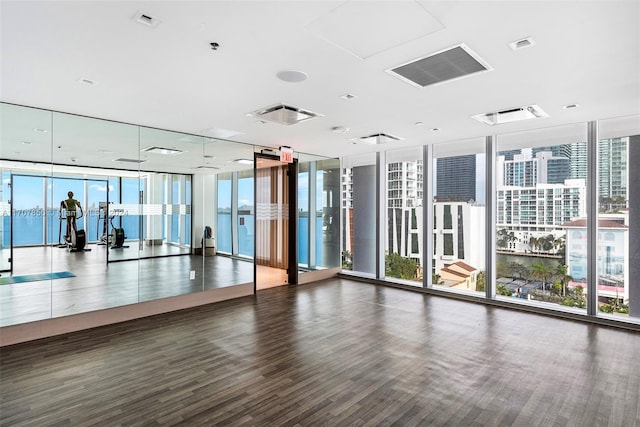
(75,240)
(115,239)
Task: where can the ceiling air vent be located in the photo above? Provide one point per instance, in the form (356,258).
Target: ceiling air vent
(378,138)
(129,160)
(511,115)
(207,167)
(284,114)
(161,150)
(450,64)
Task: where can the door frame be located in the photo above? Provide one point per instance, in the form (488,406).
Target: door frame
(292,176)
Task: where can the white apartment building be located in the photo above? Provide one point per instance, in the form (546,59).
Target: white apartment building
(527,206)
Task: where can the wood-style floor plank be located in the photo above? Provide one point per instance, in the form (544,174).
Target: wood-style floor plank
(334,353)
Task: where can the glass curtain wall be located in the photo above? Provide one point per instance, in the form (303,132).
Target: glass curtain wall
(223,231)
(404,215)
(359,248)
(459,235)
(541,211)
(618,295)
(246,213)
(303,214)
(327,206)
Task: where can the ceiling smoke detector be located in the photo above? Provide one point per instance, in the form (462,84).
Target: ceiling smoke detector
(511,115)
(283,114)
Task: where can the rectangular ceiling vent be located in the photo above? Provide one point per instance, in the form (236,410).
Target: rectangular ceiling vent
(511,115)
(161,150)
(284,114)
(207,167)
(129,160)
(378,138)
(446,65)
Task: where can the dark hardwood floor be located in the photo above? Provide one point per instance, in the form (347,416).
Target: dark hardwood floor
(334,353)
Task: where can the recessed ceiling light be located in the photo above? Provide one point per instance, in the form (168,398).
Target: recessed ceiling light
(244,161)
(162,150)
(87,81)
(348,96)
(26,142)
(146,19)
(40,130)
(340,129)
(419,123)
(522,43)
(292,76)
(434,129)
(570,106)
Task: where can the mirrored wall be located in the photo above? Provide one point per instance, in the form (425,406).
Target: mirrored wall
(98,214)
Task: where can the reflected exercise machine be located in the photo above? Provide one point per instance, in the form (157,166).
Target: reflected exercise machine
(115,239)
(76,239)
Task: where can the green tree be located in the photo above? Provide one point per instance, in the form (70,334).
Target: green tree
(503,290)
(518,270)
(400,267)
(542,271)
(435,279)
(562,274)
(481,282)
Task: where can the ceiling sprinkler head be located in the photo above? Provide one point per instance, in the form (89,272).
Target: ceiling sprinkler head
(214,45)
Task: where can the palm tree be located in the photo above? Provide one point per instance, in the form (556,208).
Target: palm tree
(562,274)
(533,243)
(542,271)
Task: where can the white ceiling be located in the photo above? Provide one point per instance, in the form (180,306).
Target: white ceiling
(168,77)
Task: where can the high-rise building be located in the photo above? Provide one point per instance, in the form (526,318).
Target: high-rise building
(612,170)
(612,166)
(456,178)
(404,208)
(508,154)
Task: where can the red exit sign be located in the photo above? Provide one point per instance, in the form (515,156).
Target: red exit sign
(286,155)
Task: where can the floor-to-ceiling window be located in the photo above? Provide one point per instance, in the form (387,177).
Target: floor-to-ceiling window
(404,174)
(327,217)
(223,232)
(303,213)
(359,214)
(617,235)
(245,208)
(459,235)
(541,215)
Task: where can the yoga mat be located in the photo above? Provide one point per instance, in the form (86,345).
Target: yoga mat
(35,277)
